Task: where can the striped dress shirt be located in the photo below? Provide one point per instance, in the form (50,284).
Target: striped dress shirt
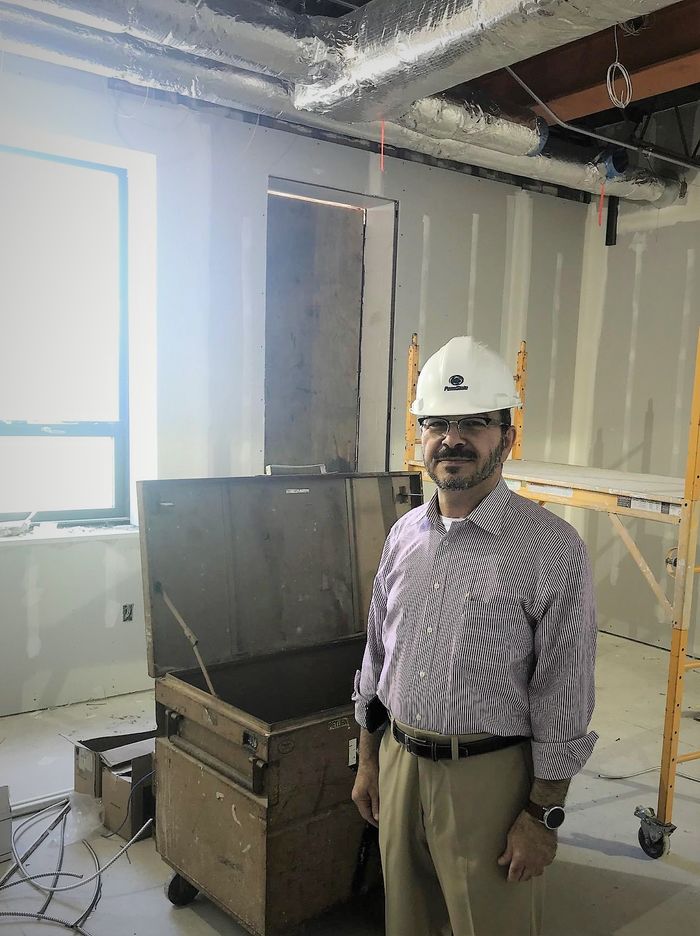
(487,627)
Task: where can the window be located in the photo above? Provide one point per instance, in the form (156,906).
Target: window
(64,434)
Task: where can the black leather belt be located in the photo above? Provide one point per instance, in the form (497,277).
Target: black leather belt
(441,750)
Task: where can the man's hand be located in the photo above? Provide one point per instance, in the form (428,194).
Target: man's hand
(531,847)
(365,793)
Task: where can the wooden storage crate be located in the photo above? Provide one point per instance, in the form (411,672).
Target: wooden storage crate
(274,577)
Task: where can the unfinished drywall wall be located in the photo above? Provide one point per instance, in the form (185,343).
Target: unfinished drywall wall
(471,256)
(639,321)
(62,629)
(552,328)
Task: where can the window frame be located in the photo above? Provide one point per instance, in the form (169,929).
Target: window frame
(118,431)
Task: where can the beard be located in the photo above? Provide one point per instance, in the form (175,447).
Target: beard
(458,482)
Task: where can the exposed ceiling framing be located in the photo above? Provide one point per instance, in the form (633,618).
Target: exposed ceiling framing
(388,71)
(662,57)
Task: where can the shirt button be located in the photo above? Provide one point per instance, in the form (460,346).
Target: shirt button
(436,586)
(469,594)
(418,717)
(422,674)
(429,630)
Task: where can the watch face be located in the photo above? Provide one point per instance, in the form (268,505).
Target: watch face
(554,817)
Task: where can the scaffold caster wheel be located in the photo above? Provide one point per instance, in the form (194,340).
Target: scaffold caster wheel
(180,892)
(654,835)
(656,849)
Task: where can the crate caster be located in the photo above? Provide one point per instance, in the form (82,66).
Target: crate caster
(180,892)
(654,836)
(368,842)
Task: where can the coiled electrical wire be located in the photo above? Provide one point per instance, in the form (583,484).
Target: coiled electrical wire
(618,71)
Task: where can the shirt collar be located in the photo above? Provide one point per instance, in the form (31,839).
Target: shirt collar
(488,514)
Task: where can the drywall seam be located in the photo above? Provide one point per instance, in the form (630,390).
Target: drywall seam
(678,446)
(553,354)
(473,272)
(516,291)
(638,247)
(594,275)
(424,281)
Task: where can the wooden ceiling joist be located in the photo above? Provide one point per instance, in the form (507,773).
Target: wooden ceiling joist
(656,79)
(571,79)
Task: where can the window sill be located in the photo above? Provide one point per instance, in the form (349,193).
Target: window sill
(44,533)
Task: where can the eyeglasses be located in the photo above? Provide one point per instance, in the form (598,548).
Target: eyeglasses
(467,425)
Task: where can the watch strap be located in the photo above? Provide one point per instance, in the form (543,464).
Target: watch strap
(541,813)
(536,811)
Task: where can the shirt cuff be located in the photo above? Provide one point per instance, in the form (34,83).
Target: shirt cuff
(361,705)
(361,713)
(562,760)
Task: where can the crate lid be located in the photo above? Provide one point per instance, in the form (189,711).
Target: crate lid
(258,565)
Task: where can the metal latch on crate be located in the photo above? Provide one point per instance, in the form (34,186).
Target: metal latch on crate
(258,774)
(172,723)
(353,756)
(250,740)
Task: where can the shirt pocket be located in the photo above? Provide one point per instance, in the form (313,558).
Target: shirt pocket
(496,629)
(482,580)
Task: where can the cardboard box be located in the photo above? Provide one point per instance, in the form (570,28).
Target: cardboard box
(92,753)
(5,824)
(127,794)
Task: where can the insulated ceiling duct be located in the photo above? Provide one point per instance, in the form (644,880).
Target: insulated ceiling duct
(368,64)
(472,122)
(135,61)
(275,42)
(263,37)
(393,53)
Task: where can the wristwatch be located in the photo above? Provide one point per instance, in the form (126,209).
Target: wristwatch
(550,816)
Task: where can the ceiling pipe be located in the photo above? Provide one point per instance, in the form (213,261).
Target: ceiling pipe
(645,149)
(391,54)
(138,63)
(479,124)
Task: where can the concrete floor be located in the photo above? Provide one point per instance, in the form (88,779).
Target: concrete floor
(601,884)
(36,753)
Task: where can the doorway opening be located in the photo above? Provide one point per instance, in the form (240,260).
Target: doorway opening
(329,312)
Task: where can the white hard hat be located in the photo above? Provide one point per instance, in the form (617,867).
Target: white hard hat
(462,378)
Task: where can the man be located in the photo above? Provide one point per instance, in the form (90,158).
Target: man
(480,644)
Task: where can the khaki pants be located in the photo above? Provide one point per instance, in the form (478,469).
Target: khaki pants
(442,827)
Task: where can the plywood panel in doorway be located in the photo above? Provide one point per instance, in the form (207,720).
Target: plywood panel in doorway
(312,333)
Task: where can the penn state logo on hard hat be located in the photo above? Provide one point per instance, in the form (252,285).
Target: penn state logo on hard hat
(456,383)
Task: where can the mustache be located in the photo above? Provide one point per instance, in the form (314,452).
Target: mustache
(454,454)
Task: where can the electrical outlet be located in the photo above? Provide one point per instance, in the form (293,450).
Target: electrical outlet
(127,612)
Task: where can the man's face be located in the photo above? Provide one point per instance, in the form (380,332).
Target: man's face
(464,457)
